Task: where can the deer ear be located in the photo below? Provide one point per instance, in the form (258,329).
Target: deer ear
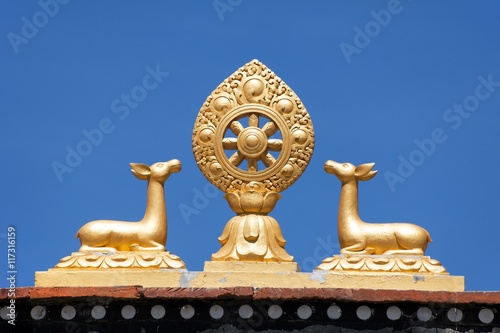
(363,169)
(141,171)
(369,175)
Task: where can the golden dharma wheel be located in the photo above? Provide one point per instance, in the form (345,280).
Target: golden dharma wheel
(253,128)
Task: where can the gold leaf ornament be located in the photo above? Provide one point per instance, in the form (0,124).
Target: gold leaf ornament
(253,127)
(252,139)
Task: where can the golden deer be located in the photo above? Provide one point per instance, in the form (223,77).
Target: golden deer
(150,233)
(358,237)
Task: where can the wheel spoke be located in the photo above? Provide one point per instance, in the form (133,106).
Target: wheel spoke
(252,165)
(253,120)
(236,158)
(267,159)
(229,143)
(270,128)
(236,127)
(274,144)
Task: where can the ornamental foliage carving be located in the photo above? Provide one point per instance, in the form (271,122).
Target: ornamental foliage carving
(253,127)
(382,263)
(144,259)
(252,139)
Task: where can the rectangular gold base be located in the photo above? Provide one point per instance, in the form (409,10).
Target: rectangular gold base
(249,266)
(257,279)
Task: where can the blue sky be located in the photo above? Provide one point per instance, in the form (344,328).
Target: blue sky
(413,86)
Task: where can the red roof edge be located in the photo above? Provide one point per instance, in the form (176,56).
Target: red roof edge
(356,295)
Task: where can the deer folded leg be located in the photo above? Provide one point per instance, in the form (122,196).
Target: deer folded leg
(414,252)
(87,248)
(356,249)
(154,247)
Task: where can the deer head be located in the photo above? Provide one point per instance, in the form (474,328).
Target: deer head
(159,171)
(347,172)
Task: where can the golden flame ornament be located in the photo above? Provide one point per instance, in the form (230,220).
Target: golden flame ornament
(252,139)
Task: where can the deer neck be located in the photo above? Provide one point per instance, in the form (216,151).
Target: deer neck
(155,214)
(348,207)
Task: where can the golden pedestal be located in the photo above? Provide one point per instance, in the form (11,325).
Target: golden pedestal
(250,267)
(218,274)
(252,138)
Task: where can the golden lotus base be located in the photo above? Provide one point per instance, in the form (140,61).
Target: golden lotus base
(251,278)
(121,259)
(382,263)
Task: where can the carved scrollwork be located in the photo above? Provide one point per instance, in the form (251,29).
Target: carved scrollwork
(253,127)
(252,139)
(125,259)
(382,263)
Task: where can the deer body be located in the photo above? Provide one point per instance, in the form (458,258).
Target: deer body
(150,233)
(358,237)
